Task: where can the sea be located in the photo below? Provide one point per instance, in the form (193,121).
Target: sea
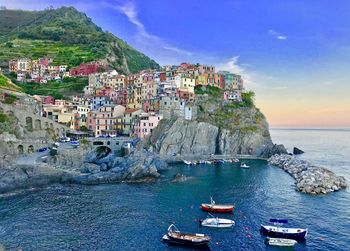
(135,216)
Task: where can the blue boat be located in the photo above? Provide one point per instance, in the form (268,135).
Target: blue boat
(278,231)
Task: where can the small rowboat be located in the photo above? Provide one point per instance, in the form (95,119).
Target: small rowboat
(277,231)
(244,165)
(217,222)
(174,236)
(217,208)
(280,242)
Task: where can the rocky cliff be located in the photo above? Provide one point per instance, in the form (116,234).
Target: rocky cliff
(219,129)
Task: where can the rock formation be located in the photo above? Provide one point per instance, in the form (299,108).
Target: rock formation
(296,151)
(309,178)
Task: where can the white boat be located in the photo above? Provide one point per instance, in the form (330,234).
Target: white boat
(281,242)
(187,162)
(217,222)
(244,165)
(208,162)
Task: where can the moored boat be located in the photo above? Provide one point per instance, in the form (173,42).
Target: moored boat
(187,162)
(217,222)
(217,208)
(244,165)
(174,236)
(280,242)
(278,231)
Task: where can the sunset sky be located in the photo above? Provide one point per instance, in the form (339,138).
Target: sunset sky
(294,54)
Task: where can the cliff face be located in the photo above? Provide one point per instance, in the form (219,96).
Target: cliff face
(247,136)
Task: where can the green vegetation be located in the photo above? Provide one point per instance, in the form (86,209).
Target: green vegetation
(68,87)
(66,35)
(7,123)
(210,90)
(10,98)
(5,83)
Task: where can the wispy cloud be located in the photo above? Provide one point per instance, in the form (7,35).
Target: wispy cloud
(177,50)
(252,79)
(277,35)
(129,9)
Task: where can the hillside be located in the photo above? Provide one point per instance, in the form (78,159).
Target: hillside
(66,35)
(7,84)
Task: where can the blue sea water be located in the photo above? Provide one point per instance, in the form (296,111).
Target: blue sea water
(135,216)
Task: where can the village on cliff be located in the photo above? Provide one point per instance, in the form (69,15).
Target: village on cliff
(114,104)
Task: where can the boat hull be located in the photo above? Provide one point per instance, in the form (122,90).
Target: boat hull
(182,242)
(219,224)
(217,208)
(280,242)
(299,236)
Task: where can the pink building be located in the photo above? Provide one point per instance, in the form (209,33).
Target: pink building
(48,100)
(84,69)
(232,96)
(102,120)
(145,125)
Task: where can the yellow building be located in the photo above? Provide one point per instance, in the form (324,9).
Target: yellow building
(187,84)
(201,80)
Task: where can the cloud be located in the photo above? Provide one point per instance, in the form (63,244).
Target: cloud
(177,50)
(130,11)
(252,79)
(277,35)
(143,38)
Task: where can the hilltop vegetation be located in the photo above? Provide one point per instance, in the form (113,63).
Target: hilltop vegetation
(67,88)
(6,83)
(66,35)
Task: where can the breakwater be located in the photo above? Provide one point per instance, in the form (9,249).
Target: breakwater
(309,178)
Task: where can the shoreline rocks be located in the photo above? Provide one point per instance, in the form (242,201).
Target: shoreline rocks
(82,167)
(309,178)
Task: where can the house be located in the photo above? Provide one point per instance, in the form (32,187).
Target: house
(13,65)
(202,69)
(187,84)
(98,101)
(126,122)
(235,95)
(202,80)
(146,124)
(151,105)
(84,69)
(24,65)
(101,121)
(171,107)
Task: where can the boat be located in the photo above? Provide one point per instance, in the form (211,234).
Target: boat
(187,162)
(280,242)
(235,160)
(212,221)
(75,144)
(208,162)
(278,231)
(244,165)
(174,236)
(217,208)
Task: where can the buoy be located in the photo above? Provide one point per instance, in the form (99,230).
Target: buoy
(246,228)
(248,235)
(217,243)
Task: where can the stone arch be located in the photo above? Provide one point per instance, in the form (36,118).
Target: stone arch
(97,143)
(102,151)
(37,124)
(20,149)
(30,149)
(46,125)
(29,123)
(108,143)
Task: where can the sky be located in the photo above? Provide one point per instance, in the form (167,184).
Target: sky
(295,55)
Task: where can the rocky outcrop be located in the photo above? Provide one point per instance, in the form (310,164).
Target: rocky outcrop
(309,178)
(180,178)
(193,137)
(297,151)
(81,166)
